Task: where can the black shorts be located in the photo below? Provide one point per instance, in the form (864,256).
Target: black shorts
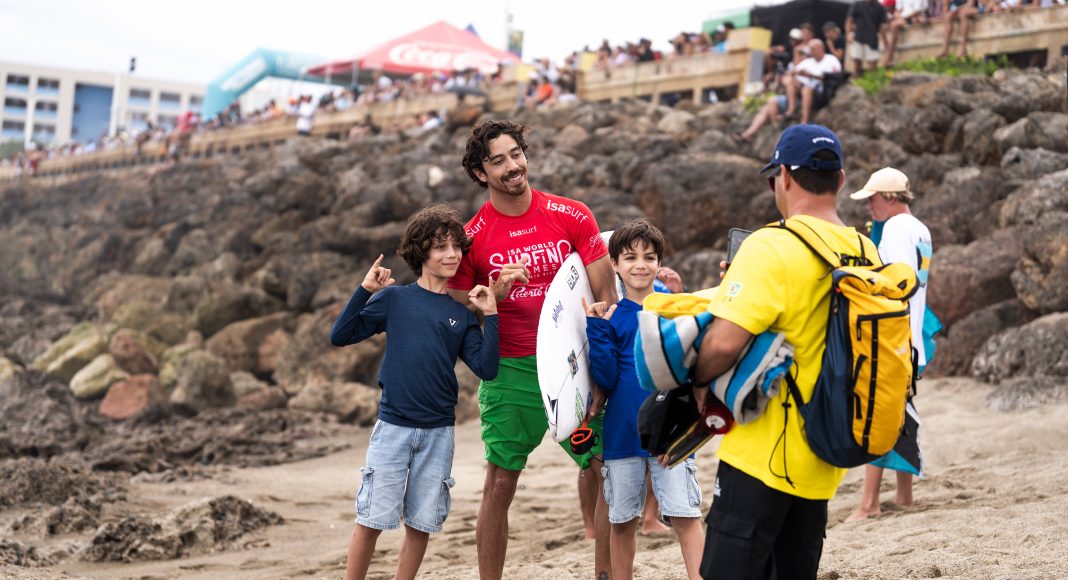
(758,532)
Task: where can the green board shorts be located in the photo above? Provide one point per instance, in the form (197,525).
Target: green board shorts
(513,416)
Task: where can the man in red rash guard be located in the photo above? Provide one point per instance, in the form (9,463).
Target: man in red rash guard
(520,237)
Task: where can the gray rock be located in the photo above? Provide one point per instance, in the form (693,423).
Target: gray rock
(1041,275)
(1025,164)
(957,347)
(964,279)
(237,345)
(1019,393)
(1033,199)
(351,402)
(203,382)
(973,136)
(1036,348)
(571,139)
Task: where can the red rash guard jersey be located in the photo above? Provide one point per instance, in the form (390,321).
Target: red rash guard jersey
(546,234)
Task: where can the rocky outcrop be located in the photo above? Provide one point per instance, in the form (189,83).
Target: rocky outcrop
(199,527)
(240,264)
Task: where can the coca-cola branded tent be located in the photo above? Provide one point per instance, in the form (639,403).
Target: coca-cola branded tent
(438,47)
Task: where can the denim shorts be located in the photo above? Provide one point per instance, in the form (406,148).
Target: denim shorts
(676,489)
(409,473)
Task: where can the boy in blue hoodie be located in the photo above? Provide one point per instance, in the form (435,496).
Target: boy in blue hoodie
(409,456)
(636,249)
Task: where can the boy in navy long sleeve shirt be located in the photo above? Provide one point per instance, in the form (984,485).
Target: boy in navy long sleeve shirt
(410,453)
(636,249)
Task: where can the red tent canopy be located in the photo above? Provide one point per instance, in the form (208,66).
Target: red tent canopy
(438,47)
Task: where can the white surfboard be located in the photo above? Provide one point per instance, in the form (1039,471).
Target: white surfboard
(563,351)
(621,291)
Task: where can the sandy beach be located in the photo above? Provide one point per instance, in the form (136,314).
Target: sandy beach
(993,505)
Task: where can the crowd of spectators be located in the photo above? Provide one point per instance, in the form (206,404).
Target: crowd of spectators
(798,76)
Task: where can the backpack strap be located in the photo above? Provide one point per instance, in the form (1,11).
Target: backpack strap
(808,236)
(827,254)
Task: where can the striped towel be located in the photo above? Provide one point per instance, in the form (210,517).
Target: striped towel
(665,351)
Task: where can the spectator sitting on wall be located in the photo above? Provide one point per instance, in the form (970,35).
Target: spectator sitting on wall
(808,81)
(905,12)
(963,11)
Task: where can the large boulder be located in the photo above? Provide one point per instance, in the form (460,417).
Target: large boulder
(1041,275)
(1036,348)
(154,320)
(170,362)
(70,354)
(203,382)
(957,347)
(973,135)
(964,279)
(1026,164)
(129,397)
(351,402)
(94,379)
(964,208)
(238,343)
(698,197)
(1033,199)
(228,304)
(311,357)
(1023,93)
(1045,130)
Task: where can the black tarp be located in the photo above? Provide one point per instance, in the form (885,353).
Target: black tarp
(779,19)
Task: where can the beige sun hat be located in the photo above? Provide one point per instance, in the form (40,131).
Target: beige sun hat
(886,180)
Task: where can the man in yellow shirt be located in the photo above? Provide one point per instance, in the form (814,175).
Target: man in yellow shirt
(769,510)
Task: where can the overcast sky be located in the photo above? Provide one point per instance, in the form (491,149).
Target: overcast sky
(197,40)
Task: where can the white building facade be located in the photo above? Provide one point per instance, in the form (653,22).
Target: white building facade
(55,105)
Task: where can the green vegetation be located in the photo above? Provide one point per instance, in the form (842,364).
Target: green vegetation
(873,81)
(754,103)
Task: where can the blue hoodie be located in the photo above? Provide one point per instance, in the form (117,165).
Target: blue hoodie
(612,366)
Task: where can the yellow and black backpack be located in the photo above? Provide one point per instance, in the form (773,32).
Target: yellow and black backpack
(857,408)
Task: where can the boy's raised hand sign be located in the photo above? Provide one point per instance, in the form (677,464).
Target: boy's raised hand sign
(377,277)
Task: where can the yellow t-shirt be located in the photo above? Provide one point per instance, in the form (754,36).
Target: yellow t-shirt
(776,283)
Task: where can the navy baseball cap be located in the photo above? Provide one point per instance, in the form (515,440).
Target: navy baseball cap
(798,146)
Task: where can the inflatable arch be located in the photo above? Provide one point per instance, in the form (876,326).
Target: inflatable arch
(259,64)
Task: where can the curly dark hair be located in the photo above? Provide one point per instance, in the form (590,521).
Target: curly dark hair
(478,143)
(641,229)
(431,224)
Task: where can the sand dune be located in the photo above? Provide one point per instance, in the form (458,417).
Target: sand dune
(994,505)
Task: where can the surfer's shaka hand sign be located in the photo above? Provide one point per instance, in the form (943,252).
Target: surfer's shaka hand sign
(599,309)
(377,277)
(509,275)
(483,299)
